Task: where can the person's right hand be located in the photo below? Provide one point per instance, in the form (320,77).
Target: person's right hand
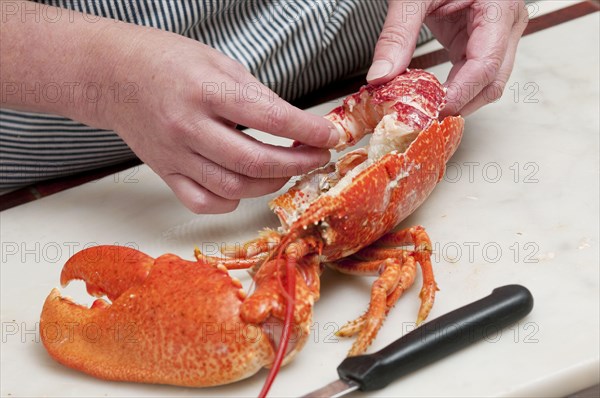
(182,120)
(481,37)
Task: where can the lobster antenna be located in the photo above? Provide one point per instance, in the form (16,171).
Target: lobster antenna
(284,243)
(287,323)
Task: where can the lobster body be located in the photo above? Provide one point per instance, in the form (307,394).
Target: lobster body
(370,190)
(382,195)
(190,323)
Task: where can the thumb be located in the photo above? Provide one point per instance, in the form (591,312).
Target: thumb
(397,41)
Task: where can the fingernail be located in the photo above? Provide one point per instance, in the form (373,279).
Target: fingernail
(325,158)
(379,69)
(334,137)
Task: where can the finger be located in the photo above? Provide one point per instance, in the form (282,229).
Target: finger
(495,89)
(485,52)
(226,183)
(196,198)
(397,41)
(450,109)
(242,154)
(258,107)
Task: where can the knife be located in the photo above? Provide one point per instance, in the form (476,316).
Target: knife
(431,341)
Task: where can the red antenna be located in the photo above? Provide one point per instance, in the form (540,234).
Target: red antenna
(287,325)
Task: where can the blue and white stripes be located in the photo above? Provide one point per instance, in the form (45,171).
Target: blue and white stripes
(35,147)
(292,46)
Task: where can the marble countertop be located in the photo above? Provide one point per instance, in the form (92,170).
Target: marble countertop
(519,204)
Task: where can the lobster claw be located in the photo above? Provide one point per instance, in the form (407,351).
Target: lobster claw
(161,327)
(107,270)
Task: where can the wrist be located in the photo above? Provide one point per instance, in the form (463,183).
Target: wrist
(105,76)
(71,73)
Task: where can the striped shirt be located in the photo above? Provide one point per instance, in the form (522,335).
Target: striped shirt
(292,46)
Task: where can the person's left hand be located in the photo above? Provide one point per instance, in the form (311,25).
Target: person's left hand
(481,37)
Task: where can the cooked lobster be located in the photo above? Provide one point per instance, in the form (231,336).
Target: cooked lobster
(189,323)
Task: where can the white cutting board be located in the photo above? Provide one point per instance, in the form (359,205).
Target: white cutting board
(519,204)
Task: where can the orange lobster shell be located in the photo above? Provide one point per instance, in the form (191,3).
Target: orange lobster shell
(189,323)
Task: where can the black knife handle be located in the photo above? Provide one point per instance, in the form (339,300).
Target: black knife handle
(438,338)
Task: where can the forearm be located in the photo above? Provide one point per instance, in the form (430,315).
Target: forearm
(60,61)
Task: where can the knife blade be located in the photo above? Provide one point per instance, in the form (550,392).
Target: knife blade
(431,341)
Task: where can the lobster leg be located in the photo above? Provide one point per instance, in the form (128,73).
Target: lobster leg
(353,327)
(249,255)
(406,237)
(229,263)
(417,237)
(396,274)
(396,268)
(267,241)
